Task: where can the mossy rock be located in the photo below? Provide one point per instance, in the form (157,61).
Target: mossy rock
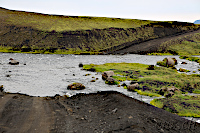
(76,86)
(183,70)
(167,62)
(111,81)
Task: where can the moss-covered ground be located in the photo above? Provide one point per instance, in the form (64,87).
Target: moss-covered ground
(187,45)
(182,105)
(49,51)
(151,81)
(190,58)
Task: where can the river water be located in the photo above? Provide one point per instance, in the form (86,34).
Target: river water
(48,75)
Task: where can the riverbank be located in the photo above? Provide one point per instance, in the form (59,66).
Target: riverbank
(99,112)
(156,82)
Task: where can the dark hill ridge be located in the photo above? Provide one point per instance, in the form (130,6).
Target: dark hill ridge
(110,112)
(86,40)
(24,32)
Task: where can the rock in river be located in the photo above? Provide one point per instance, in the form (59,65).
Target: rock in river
(133,87)
(76,86)
(107,74)
(13,62)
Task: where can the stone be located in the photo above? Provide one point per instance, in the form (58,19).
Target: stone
(110,81)
(167,62)
(13,62)
(1,88)
(124,84)
(133,87)
(80,65)
(76,86)
(107,74)
(183,62)
(168,91)
(172,89)
(170,94)
(175,61)
(170,61)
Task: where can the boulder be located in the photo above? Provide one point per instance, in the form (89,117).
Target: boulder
(168,91)
(167,62)
(169,94)
(110,81)
(170,61)
(13,62)
(107,74)
(172,89)
(183,62)
(163,90)
(175,61)
(133,87)
(76,86)
(80,65)
(1,88)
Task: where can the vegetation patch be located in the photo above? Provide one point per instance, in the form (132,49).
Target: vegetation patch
(183,70)
(190,58)
(187,45)
(150,80)
(196,91)
(148,93)
(182,105)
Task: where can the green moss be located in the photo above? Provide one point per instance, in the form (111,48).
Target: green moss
(160,54)
(190,58)
(183,70)
(148,93)
(187,106)
(157,103)
(125,87)
(197,91)
(154,80)
(119,78)
(112,83)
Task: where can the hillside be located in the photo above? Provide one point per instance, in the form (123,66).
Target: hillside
(42,33)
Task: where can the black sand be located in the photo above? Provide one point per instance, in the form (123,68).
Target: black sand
(92,113)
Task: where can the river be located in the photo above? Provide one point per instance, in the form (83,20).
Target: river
(47,75)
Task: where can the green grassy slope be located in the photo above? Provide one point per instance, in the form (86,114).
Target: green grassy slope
(25,31)
(58,23)
(187,45)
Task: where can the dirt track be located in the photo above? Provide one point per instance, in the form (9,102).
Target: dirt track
(102,112)
(150,46)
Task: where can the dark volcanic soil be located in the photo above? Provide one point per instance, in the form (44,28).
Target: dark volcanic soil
(101,112)
(151,45)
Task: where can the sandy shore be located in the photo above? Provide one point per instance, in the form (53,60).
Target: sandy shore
(87,113)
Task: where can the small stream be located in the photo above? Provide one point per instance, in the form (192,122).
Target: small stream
(47,75)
